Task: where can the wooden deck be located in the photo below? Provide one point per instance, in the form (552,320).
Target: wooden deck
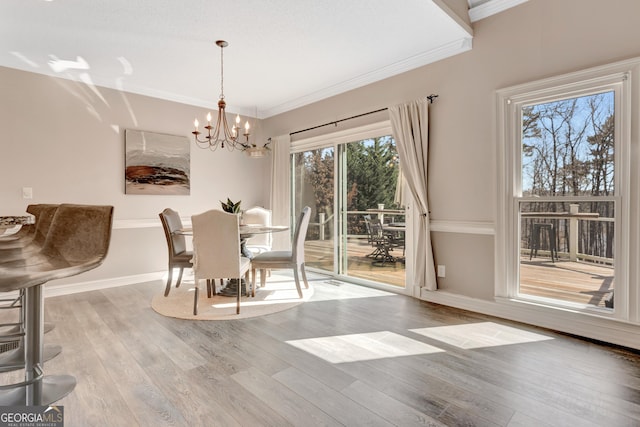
(319,254)
(578,282)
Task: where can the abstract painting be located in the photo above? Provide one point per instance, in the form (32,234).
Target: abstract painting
(156,163)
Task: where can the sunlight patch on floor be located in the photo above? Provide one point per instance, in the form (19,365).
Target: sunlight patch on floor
(366,346)
(330,292)
(478,335)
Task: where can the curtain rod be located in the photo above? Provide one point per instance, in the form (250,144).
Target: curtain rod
(335,122)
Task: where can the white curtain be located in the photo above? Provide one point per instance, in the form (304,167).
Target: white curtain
(400,198)
(280,189)
(410,126)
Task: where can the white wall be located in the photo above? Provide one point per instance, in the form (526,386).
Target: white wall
(535,40)
(58,136)
(66,141)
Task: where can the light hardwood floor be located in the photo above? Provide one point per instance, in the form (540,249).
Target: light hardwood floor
(351,356)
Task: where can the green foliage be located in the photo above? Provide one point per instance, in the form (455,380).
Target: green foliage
(230,206)
(321,179)
(372,173)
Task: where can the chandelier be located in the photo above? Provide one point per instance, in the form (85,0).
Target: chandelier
(222,134)
(254,151)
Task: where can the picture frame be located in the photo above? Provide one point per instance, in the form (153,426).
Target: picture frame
(156,163)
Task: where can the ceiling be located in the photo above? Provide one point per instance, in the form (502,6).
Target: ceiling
(282,54)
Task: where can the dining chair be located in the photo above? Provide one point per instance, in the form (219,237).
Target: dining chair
(262,242)
(293,259)
(216,251)
(179,256)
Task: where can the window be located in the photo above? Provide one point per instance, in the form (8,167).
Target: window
(563,201)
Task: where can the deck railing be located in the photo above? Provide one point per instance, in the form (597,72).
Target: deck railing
(569,230)
(325,221)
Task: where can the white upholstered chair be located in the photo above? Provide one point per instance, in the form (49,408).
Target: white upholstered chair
(216,251)
(261,242)
(293,259)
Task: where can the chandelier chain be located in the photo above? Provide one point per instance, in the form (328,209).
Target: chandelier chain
(221,72)
(222,135)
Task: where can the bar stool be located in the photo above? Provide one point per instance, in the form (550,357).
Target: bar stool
(77,241)
(20,246)
(537,231)
(12,335)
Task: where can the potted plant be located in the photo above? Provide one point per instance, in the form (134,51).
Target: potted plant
(230,206)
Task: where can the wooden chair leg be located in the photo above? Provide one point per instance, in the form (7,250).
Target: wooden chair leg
(253,282)
(195,300)
(179,277)
(208,288)
(304,276)
(168,288)
(263,277)
(238,296)
(297,280)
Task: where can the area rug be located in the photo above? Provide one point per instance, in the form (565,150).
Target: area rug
(278,295)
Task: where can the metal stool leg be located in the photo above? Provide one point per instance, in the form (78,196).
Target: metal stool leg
(36,389)
(13,359)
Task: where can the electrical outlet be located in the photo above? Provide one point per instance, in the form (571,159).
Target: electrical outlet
(27,193)
(441,271)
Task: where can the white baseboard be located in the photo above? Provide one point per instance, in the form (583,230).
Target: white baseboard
(54,290)
(568,321)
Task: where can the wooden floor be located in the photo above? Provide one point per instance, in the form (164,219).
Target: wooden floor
(352,356)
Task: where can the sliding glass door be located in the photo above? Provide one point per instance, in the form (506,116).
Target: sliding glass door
(313,175)
(373,232)
(354,187)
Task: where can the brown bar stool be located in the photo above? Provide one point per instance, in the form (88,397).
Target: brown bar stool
(537,231)
(77,241)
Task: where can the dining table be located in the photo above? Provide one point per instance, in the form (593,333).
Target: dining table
(246,231)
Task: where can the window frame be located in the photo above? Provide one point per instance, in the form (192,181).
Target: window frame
(335,140)
(618,77)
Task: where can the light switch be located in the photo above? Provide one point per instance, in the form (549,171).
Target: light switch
(27,193)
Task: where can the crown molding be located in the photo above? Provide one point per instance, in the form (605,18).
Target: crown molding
(491,8)
(450,49)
